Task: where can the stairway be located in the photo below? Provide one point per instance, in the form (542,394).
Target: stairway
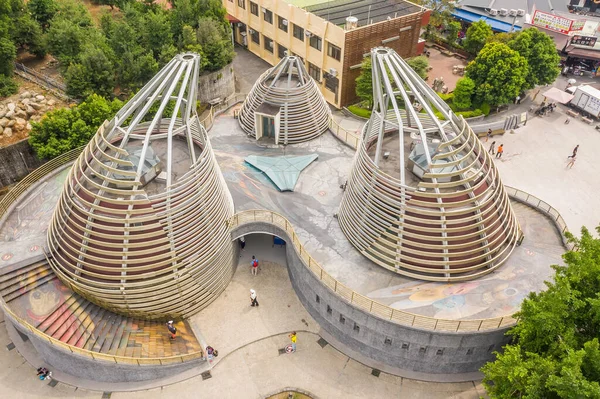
(35,294)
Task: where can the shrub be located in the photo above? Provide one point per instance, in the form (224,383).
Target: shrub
(485,108)
(446,97)
(470,114)
(7,86)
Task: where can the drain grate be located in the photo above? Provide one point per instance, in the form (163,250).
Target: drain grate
(281,351)
(322,342)
(53,383)
(375,372)
(206,375)
(10,346)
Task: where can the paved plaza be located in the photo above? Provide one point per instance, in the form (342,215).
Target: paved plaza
(249,338)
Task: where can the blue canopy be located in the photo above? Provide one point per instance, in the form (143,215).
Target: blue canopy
(468,16)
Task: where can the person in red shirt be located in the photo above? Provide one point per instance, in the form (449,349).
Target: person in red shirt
(499,151)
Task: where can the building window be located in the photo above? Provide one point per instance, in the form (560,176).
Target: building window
(334,51)
(329,310)
(439,352)
(315,42)
(268,16)
(281,51)
(242,4)
(254,8)
(342,319)
(356,328)
(387,341)
(298,33)
(282,23)
(405,346)
(314,72)
(331,83)
(268,43)
(255,36)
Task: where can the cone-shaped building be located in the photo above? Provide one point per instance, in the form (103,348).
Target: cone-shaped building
(424,198)
(285,104)
(141,226)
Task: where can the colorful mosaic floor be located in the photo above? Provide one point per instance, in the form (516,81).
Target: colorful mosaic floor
(36,295)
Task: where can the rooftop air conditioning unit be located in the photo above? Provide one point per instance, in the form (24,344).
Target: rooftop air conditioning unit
(239,24)
(251,31)
(503,12)
(270,44)
(284,22)
(307,34)
(512,13)
(263,9)
(520,12)
(493,11)
(333,72)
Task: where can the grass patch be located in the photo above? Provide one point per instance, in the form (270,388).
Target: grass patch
(358,111)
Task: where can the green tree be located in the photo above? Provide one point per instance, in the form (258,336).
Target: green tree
(68,128)
(452,27)
(539,50)
(441,13)
(419,64)
(65,40)
(7,86)
(498,73)
(477,35)
(42,11)
(364,82)
(8,53)
(215,42)
(93,73)
(27,33)
(555,353)
(463,93)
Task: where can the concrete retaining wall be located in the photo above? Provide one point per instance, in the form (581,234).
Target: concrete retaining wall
(218,84)
(99,370)
(16,162)
(399,346)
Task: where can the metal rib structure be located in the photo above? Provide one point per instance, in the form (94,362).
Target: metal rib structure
(424,198)
(141,226)
(288,91)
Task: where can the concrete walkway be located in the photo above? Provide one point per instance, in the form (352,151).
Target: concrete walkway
(249,363)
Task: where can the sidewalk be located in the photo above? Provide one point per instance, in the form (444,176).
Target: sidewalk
(249,364)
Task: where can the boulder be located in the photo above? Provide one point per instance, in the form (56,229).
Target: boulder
(28,126)
(11,123)
(26,94)
(35,106)
(7,132)
(19,113)
(4,122)
(30,111)
(51,102)
(2,114)
(43,101)
(9,114)
(40,98)
(25,101)
(11,106)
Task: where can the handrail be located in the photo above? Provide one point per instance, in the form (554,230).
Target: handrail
(364,303)
(207,122)
(350,138)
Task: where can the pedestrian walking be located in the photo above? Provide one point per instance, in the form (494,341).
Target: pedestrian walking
(499,151)
(172,329)
(572,161)
(293,338)
(254,265)
(253,298)
(567,121)
(491,150)
(489,134)
(518,100)
(242,244)
(574,152)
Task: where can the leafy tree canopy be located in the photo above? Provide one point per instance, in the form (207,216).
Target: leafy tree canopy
(556,353)
(364,82)
(68,128)
(463,93)
(539,50)
(499,74)
(419,65)
(42,11)
(477,35)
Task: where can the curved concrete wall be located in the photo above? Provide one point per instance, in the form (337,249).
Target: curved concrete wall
(399,346)
(97,370)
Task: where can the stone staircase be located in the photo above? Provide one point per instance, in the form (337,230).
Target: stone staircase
(35,294)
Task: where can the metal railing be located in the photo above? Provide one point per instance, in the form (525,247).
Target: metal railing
(350,138)
(546,209)
(208,121)
(57,88)
(5,205)
(360,301)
